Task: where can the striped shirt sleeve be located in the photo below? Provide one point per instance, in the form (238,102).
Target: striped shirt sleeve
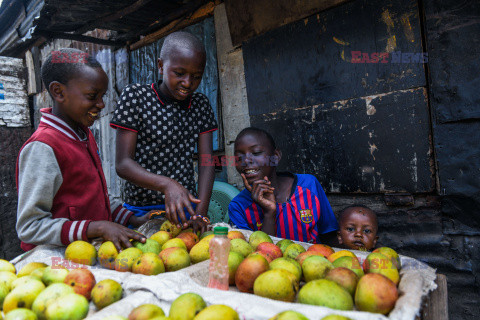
(39,179)
(120,214)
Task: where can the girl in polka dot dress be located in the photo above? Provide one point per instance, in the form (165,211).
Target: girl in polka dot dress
(158,127)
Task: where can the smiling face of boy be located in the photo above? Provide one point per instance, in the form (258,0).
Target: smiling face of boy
(358,229)
(181,72)
(80,100)
(256,157)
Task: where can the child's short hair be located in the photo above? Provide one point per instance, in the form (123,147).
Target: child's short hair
(63,64)
(342,213)
(259,131)
(180,39)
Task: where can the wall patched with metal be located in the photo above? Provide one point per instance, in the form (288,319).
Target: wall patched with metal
(15,128)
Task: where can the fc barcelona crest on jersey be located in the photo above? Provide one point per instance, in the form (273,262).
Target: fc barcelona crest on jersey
(306,216)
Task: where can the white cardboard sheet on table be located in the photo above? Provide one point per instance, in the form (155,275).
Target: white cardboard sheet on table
(417,280)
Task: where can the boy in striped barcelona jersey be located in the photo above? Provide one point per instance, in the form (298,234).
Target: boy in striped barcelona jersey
(62,192)
(285,205)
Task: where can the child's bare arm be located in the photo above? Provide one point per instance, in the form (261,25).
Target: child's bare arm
(111,231)
(206,175)
(176,196)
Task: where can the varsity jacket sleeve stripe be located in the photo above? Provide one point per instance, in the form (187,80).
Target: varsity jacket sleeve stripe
(39,178)
(120,214)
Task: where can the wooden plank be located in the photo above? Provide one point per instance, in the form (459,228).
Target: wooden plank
(436,307)
(367,144)
(203,12)
(232,87)
(249,18)
(31,83)
(310,61)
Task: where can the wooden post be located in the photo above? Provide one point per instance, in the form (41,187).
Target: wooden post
(436,307)
(31,81)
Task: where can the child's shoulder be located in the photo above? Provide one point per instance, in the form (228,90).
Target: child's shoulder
(199,99)
(303,178)
(137,87)
(244,198)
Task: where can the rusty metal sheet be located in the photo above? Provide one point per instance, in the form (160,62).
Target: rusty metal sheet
(310,61)
(376,143)
(249,18)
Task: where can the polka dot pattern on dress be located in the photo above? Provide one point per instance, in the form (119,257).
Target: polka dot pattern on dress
(167,133)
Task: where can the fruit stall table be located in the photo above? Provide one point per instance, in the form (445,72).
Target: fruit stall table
(435,306)
(416,285)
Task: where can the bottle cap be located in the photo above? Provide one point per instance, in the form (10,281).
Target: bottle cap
(220,230)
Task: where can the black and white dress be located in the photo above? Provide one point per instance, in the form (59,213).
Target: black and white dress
(168,131)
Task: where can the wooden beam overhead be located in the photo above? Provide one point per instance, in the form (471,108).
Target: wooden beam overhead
(78,37)
(203,12)
(92,24)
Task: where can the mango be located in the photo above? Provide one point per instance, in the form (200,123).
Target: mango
(6,278)
(81,252)
(29,267)
(241,246)
(174,243)
(283,244)
(148,264)
(248,271)
(149,246)
(23,296)
(125,259)
(276,284)
(7,266)
(342,253)
(107,254)
(21,314)
(106,292)
(71,306)
(146,312)
(344,277)
(376,293)
(323,249)
(258,237)
(161,237)
(315,267)
(293,251)
(350,263)
(175,258)
(48,296)
(378,263)
(391,254)
(325,293)
(186,306)
(54,275)
(289,265)
(170,228)
(200,252)
(234,260)
(289,315)
(217,312)
(235,234)
(189,238)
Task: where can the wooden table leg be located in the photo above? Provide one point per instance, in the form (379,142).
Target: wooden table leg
(436,306)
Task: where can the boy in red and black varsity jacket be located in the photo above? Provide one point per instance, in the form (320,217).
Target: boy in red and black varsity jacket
(62,192)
